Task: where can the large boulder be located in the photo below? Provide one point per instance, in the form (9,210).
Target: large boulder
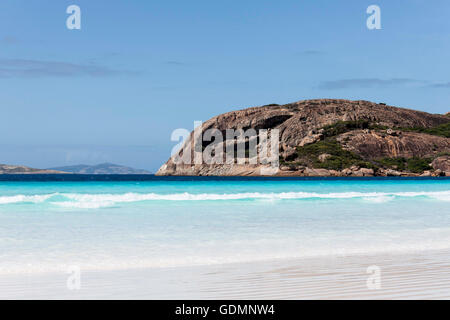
(441,163)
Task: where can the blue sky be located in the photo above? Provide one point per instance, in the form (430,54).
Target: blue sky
(116,89)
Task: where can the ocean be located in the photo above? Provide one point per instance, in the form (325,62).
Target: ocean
(51,222)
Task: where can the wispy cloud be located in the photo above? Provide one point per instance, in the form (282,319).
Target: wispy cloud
(366,83)
(21,68)
(9,40)
(311,52)
(440,85)
(175,63)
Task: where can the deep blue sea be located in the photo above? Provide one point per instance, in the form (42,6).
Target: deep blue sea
(49,222)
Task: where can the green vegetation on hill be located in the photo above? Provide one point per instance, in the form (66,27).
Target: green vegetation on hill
(415,164)
(346,126)
(442,130)
(334,157)
(338,158)
(419,165)
(340,127)
(392,163)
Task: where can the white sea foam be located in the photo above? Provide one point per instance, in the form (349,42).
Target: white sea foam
(84,205)
(241,253)
(132,239)
(89,201)
(21,198)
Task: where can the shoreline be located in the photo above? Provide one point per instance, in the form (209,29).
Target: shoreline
(152,176)
(419,275)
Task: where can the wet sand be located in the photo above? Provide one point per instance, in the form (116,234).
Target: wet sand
(424,275)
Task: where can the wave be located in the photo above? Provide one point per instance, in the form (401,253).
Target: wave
(89,201)
(20,198)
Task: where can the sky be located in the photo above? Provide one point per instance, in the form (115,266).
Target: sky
(115,90)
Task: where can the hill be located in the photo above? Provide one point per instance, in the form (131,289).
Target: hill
(333,137)
(13,169)
(103,168)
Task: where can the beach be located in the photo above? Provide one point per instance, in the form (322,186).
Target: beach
(247,150)
(420,275)
(225,238)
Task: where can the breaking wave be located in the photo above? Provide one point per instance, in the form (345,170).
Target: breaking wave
(20,198)
(88,201)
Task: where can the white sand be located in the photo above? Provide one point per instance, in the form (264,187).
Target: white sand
(403,276)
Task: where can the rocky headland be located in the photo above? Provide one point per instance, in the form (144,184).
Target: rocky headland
(330,137)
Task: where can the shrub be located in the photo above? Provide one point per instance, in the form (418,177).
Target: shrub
(392,163)
(339,158)
(419,165)
(344,126)
(442,130)
(415,164)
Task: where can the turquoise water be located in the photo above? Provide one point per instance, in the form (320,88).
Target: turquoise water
(46,226)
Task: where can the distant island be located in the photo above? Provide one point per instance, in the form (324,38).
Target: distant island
(332,137)
(15,169)
(103,168)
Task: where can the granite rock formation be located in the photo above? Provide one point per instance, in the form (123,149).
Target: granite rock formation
(365,138)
